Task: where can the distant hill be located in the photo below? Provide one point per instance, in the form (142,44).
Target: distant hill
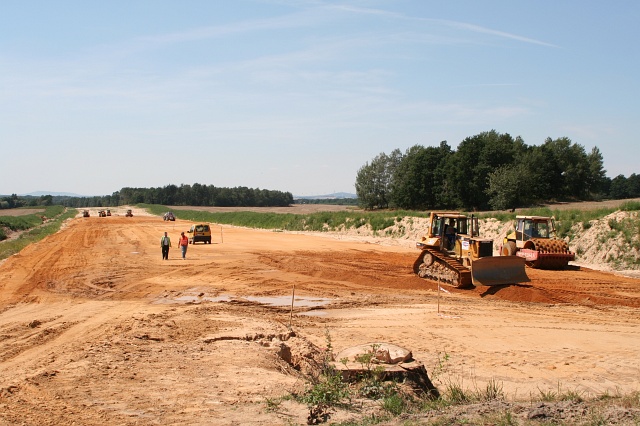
(335,195)
(55,194)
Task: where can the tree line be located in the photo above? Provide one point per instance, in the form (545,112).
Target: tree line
(205,195)
(183,195)
(490,170)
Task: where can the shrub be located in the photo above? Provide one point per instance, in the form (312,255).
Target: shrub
(329,389)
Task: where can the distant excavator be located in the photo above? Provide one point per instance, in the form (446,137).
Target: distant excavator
(535,240)
(452,253)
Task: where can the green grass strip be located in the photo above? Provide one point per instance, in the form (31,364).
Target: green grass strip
(320,221)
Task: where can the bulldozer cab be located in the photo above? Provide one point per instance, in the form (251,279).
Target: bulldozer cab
(444,225)
(452,230)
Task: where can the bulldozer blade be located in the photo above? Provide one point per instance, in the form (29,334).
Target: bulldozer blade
(498,270)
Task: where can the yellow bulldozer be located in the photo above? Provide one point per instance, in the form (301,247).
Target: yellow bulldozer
(535,240)
(452,253)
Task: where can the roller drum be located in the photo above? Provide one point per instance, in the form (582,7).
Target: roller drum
(552,253)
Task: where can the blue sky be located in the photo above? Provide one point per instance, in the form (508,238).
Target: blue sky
(297,95)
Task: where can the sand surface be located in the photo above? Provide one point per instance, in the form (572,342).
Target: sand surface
(95,328)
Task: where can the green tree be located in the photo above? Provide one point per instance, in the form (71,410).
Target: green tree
(633,185)
(508,187)
(418,178)
(575,173)
(475,158)
(373,183)
(46,200)
(619,188)
(597,174)
(541,172)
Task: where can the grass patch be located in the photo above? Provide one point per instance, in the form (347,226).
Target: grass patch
(631,401)
(35,232)
(28,221)
(492,391)
(554,395)
(455,393)
(629,206)
(394,404)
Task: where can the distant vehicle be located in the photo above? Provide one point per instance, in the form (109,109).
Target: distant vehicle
(199,232)
(85,213)
(102,213)
(169,216)
(129,213)
(108,212)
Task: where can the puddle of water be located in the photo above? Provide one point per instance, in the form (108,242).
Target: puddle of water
(305,302)
(193,299)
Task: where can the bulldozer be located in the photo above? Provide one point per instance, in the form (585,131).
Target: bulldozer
(535,240)
(452,253)
(129,213)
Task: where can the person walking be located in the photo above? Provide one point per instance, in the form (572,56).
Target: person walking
(165,243)
(184,243)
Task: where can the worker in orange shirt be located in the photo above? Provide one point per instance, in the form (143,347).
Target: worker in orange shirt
(183,243)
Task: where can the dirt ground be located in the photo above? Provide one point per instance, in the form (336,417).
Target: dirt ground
(95,328)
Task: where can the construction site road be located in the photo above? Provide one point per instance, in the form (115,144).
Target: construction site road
(95,328)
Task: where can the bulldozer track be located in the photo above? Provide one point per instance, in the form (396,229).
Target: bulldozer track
(443,270)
